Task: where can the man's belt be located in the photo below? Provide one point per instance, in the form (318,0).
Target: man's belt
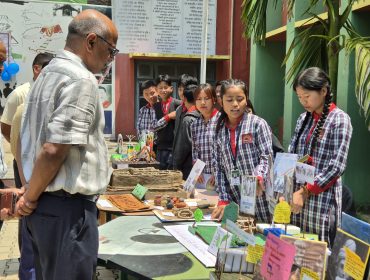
(63,193)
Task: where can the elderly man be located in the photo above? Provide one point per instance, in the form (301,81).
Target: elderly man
(64,156)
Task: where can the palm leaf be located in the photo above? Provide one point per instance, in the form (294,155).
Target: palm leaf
(310,49)
(254,19)
(361,46)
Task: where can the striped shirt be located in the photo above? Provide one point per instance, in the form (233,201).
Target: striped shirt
(329,158)
(63,107)
(253,146)
(146,119)
(203,139)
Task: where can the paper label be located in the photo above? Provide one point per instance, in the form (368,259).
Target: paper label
(221,239)
(305,173)
(248,190)
(139,191)
(353,265)
(231,212)
(254,253)
(198,215)
(168,214)
(246,237)
(308,274)
(277,260)
(104,203)
(191,203)
(282,213)
(195,172)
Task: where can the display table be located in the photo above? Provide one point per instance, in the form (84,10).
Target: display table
(139,246)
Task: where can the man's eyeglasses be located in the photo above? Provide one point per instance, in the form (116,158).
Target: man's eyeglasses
(112,50)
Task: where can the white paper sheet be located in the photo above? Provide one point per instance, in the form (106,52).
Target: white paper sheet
(193,243)
(193,176)
(104,203)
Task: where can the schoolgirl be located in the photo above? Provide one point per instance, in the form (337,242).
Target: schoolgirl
(203,131)
(323,133)
(243,147)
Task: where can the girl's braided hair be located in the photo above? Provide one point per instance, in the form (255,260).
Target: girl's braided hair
(315,79)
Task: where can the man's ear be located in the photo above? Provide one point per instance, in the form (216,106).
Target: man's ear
(90,39)
(36,69)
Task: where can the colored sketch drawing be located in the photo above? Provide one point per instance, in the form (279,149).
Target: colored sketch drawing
(349,257)
(309,254)
(284,165)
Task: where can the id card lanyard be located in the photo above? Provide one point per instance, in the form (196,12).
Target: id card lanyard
(235,172)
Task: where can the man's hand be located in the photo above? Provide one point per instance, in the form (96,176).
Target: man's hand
(24,206)
(4,214)
(218,212)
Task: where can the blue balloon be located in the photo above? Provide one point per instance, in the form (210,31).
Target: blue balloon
(5,76)
(13,68)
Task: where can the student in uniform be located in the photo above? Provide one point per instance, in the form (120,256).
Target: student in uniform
(323,133)
(182,150)
(182,83)
(243,147)
(203,131)
(165,112)
(146,119)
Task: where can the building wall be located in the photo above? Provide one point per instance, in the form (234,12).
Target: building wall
(125,76)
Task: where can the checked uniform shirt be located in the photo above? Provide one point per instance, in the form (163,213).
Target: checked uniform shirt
(254,148)
(329,158)
(146,119)
(203,138)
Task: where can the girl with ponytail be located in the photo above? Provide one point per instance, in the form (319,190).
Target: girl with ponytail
(243,147)
(323,134)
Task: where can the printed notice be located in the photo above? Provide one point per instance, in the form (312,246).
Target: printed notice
(277,259)
(254,253)
(353,265)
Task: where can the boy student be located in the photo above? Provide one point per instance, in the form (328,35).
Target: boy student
(165,112)
(146,119)
(182,151)
(184,81)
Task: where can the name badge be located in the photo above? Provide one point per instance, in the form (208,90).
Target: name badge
(235,177)
(247,138)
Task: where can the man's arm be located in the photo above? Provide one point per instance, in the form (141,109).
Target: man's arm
(5,130)
(47,165)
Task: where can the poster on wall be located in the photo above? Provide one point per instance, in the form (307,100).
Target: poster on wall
(162,26)
(42,26)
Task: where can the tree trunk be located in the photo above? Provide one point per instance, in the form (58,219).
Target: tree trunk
(334,47)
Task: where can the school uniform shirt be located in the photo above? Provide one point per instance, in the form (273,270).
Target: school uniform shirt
(329,159)
(203,139)
(165,126)
(251,142)
(146,119)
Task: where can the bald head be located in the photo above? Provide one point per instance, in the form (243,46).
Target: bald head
(91,21)
(92,36)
